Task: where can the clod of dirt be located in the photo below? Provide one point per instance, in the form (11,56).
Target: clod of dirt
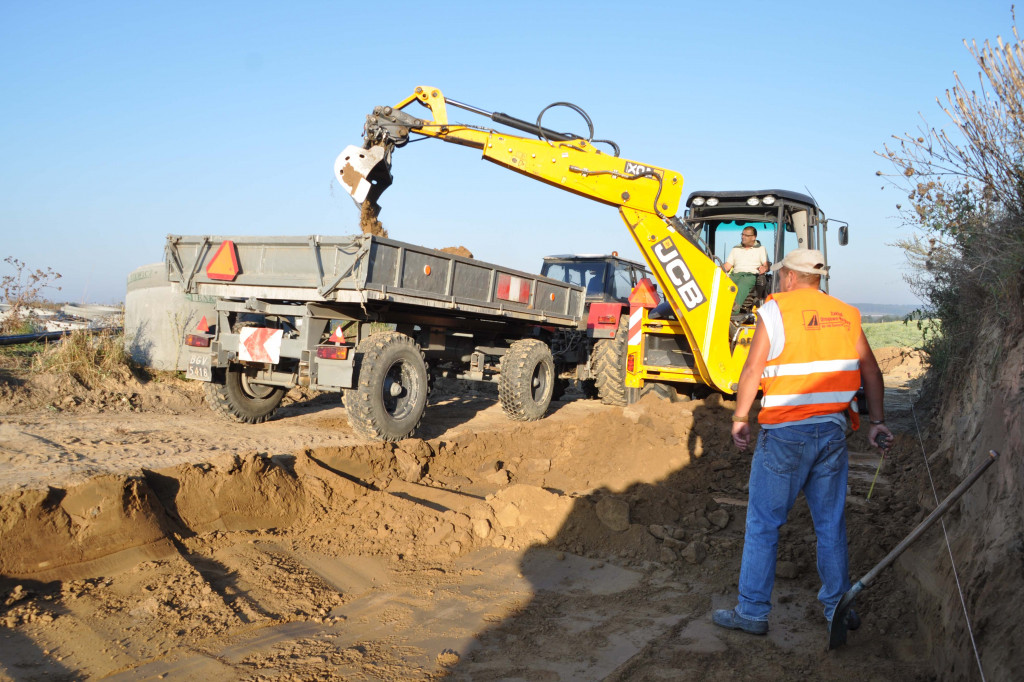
(695,552)
(448,658)
(613,513)
(719,518)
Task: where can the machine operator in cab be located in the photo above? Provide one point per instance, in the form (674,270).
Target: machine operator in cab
(744,263)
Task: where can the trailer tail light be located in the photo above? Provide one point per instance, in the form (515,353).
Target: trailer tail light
(332,352)
(198,340)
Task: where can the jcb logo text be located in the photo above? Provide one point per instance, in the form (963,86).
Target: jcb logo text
(637,169)
(679,274)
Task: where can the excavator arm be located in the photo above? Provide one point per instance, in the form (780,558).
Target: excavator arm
(647,198)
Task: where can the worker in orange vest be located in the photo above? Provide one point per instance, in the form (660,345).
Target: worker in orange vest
(809,356)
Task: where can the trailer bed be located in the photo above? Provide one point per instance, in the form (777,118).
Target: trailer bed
(368,270)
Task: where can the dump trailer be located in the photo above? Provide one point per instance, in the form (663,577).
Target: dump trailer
(373,318)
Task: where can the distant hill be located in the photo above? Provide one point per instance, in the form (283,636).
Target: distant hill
(879,309)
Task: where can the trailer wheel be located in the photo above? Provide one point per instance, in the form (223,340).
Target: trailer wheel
(527,380)
(609,366)
(242,401)
(391,393)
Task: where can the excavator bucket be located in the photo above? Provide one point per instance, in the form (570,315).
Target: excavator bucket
(364,173)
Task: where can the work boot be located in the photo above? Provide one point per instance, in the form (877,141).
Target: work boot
(730,620)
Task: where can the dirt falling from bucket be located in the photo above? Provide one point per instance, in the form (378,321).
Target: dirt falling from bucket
(368,221)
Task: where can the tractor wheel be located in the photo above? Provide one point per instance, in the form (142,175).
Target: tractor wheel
(391,390)
(240,400)
(609,366)
(527,380)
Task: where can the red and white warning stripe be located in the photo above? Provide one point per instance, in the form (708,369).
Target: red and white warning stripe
(260,344)
(636,316)
(512,288)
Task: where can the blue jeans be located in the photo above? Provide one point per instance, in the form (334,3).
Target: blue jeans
(788,459)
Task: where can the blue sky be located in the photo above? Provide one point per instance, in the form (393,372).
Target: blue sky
(121,123)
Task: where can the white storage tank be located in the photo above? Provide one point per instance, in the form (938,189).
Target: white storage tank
(157,315)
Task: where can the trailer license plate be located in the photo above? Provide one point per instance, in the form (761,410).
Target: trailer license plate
(199,367)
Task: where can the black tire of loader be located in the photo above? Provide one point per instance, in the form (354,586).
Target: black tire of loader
(382,360)
(240,401)
(527,380)
(609,365)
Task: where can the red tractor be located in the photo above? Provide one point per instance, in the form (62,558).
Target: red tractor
(595,354)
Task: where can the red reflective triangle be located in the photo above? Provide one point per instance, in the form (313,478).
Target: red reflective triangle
(337,336)
(224,264)
(203,325)
(644,295)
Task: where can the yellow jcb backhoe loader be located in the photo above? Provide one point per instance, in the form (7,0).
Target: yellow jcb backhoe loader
(695,338)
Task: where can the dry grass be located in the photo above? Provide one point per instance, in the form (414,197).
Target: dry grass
(87,357)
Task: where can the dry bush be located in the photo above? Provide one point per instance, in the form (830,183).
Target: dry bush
(21,290)
(86,357)
(965,192)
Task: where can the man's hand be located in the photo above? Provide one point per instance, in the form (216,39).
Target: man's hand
(741,435)
(880,437)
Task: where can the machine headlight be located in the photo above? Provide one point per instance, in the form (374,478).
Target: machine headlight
(768,200)
(753,201)
(713,201)
(698,201)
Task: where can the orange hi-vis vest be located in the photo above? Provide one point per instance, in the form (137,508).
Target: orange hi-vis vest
(818,371)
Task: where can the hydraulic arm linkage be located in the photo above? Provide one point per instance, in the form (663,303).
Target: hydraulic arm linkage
(647,198)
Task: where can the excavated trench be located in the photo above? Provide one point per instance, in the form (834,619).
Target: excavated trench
(590,545)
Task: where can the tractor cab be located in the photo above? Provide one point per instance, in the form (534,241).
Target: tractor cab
(607,279)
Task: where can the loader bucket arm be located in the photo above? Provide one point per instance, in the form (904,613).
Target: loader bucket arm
(647,197)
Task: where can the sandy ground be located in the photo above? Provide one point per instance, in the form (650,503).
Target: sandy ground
(143,538)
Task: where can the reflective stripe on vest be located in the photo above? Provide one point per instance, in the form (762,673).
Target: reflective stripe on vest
(818,371)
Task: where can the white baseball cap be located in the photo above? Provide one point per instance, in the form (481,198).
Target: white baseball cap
(809,261)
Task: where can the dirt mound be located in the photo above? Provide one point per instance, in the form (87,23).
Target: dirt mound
(458,251)
(25,391)
(901,363)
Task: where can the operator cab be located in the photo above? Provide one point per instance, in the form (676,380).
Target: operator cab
(607,279)
(783,220)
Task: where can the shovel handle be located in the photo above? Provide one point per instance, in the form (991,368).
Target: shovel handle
(932,518)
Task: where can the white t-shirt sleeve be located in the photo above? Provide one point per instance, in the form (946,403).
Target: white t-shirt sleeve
(771,317)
